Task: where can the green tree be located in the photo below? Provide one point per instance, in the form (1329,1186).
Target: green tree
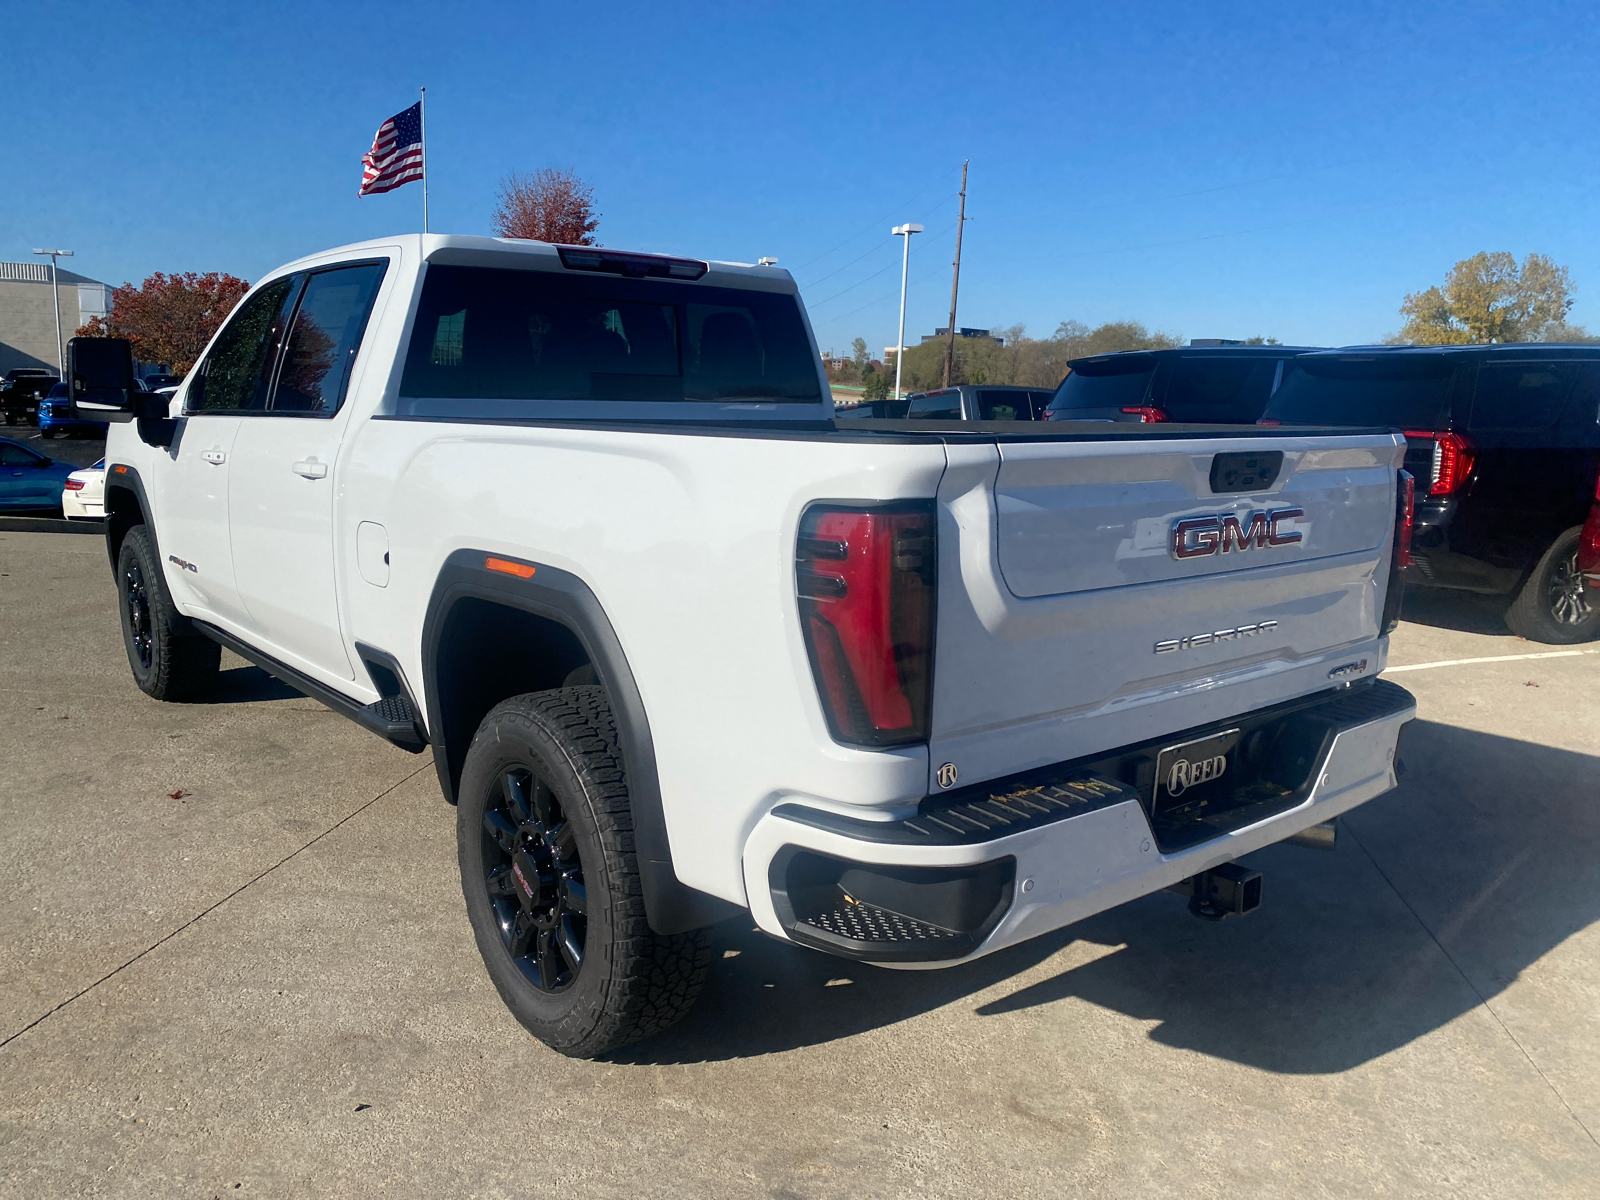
(875,386)
(1489,298)
(858,351)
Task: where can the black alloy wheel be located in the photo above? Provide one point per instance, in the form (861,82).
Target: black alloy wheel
(534,877)
(1554,605)
(170,659)
(1567,595)
(551,879)
(137,601)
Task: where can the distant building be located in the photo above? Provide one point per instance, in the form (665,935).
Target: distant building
(27,324)
(964,331)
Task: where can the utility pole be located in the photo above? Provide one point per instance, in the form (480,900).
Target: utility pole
(955,281)
(55,301)
(904,231)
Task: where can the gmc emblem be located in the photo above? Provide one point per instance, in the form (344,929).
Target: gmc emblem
(1198,537)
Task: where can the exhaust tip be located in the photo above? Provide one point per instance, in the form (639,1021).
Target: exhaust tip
(1318,837)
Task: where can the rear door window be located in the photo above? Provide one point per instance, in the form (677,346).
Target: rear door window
(485,333)
(938,406)
(1405,391)
(1521,395)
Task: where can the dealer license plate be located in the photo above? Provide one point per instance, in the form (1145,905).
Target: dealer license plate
(1186,773)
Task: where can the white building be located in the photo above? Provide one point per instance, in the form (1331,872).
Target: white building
(27,325)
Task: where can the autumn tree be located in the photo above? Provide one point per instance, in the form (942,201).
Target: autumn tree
(1489,298)
(549,205)
(169,318)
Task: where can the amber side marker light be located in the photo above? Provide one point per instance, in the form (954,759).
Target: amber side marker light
(121,470)
(506,567)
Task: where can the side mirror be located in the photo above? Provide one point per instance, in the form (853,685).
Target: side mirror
(100,375)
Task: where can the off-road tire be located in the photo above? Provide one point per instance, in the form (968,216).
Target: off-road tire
(170,659)
(631,982)
(1548,603)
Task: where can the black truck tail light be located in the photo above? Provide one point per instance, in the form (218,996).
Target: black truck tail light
(1452,460)
(1405,518)
(865,577)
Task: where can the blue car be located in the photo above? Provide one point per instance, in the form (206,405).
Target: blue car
(28,479)
(55,417)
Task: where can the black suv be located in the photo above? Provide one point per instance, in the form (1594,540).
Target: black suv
(1504,443)
(20,391)
(978,402)
(1196,385)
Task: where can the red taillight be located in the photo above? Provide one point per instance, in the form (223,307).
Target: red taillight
(1405,515)
(1147,415)
(74,485)
(865,578)
(1452,460)
(1405,518)
(1268,421)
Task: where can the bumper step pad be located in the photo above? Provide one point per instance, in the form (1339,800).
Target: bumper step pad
(860,922)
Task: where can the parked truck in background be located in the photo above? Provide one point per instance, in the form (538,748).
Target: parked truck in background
(580,523)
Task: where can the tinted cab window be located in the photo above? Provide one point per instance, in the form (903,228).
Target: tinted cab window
(936,406)
(489,334)
(997,405)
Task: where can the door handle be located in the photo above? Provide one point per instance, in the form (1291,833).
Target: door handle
(215,457)
(311,469)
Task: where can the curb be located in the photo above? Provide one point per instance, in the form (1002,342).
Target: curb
(50,525)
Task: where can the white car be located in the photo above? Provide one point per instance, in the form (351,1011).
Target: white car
(581,523)
(84,497)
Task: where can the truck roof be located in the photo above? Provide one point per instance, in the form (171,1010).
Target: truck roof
(471,249)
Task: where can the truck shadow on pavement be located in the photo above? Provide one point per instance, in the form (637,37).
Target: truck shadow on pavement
(1438,895)
(1449,608)
(247,684)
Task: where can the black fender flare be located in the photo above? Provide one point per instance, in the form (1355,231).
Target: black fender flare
(671,905)
(122,477)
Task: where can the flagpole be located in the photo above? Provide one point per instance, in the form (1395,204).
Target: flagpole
(422,119)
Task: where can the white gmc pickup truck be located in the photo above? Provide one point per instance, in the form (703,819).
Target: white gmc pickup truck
(581,523)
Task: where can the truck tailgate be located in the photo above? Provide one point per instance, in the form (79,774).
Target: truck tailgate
(1097,593)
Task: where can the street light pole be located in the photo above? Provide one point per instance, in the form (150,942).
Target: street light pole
(55,302)
(904,231)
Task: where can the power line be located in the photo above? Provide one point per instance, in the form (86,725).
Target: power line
(878,224)
(876,247)
(865,278)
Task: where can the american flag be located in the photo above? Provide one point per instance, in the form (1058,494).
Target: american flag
(396,154)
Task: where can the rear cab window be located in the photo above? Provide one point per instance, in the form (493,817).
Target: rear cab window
(936,406)
(489,341)
(995,404)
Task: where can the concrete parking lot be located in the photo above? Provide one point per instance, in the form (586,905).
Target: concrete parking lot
(233,961)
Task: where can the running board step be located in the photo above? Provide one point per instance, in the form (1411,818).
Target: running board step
(394,718)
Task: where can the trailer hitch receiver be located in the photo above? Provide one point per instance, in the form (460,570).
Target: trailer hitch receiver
(1226,891)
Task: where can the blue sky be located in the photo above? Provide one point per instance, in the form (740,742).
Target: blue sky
(1212,170)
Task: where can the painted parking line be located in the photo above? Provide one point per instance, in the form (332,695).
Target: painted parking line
(1463,662)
